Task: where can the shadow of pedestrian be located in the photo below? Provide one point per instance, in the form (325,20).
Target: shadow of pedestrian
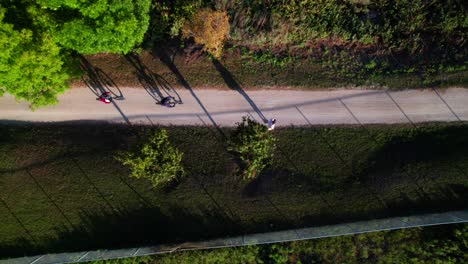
(154,84)
(98,81)
(234,85)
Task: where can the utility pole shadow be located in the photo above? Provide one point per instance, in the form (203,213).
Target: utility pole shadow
(165,58)
(50,198)
(234,85)
(338,155)
(18,221)
(446,104)
(154,84)
(103,197)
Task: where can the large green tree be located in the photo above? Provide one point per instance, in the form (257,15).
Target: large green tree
(30,65)
(97,26)
(37,36)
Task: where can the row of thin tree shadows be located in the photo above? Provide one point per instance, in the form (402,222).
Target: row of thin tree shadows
(155,85)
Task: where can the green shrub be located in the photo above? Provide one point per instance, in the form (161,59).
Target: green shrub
(154,159)
(440,244)
(168,17)
(209,28)
(245,255)
(254,145)
(134,260)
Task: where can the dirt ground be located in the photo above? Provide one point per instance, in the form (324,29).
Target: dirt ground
(303,68)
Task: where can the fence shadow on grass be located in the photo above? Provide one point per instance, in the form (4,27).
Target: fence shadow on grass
(146,225)
(129,228)
(445,198)
(154,84)
(19,248)
(425,146)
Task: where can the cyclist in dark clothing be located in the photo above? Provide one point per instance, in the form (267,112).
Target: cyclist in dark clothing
(168,101)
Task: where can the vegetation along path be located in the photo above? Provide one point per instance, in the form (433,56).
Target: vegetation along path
(61,188)
(225,107)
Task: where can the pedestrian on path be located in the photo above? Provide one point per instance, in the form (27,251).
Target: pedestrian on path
(271,123)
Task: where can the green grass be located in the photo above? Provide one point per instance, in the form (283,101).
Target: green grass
(61,188)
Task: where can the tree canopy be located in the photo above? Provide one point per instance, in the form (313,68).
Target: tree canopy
(97,26)
(38,36)
(254,145)
(30,65)
(209,28)
(154,159)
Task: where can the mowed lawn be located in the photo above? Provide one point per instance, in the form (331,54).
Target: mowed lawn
(62,190)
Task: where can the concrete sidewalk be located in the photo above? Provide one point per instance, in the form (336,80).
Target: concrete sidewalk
(226,107)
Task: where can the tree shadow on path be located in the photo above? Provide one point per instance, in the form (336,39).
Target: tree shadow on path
(166,59)
(154,84)
(98,81)
(234,85)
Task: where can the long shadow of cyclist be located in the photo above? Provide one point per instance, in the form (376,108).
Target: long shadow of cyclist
(98,81)
(154,84)
(101,84)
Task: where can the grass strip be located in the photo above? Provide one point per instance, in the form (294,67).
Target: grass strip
(62,190)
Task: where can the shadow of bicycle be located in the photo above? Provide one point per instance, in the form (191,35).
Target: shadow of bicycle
(98,81)
(154,84)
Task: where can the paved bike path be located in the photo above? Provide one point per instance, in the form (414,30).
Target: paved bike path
(226,107)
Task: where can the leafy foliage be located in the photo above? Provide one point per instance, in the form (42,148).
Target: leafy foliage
(445,244)
(37,38)
(31,66)
(209,28)
(442,244)
(385,36)
(155,160)
(247,254)
(168,17)
(449,247)
(396,24)
(97,26)
(254,145)
(137,260)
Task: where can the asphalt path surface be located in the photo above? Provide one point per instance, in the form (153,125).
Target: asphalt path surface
(226,107)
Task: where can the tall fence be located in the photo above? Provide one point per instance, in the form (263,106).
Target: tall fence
(253,239)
